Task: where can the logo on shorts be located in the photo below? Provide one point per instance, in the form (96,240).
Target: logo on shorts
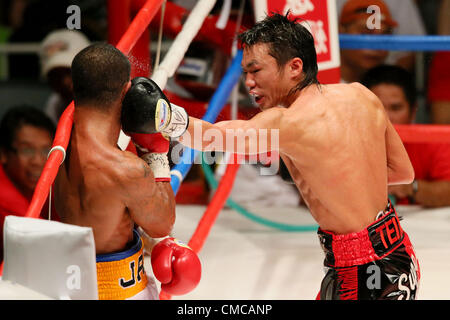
(162,115)
(137,273)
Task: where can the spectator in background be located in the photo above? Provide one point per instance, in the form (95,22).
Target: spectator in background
(439,73)
(407,15)
(353,20)
(395,87)
(31,21)
(56,54)
(26,136)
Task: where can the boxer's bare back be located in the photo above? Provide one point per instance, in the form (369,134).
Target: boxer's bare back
(108,189)
(340,149)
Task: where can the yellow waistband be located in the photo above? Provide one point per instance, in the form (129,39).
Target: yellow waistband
(122,279)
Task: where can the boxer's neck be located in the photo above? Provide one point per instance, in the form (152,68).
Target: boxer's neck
(296,95)
(103,126)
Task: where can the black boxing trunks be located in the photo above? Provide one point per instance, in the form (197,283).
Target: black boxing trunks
(377,263)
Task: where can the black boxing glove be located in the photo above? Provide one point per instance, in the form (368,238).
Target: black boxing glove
(146,109)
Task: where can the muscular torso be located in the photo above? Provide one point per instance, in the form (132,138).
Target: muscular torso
(333,144)
(88,193)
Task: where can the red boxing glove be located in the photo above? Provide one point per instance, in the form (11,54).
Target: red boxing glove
(153,149)
(176,266)
(149,143)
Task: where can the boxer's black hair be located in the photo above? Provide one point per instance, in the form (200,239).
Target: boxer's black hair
(395,75)
(99,73)
(21,115)
(287,39)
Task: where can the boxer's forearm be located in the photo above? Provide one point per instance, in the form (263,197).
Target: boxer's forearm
(198,135)
(235,136)
(163,213)
(155,212)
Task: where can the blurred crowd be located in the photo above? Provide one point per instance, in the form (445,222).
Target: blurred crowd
(414,87)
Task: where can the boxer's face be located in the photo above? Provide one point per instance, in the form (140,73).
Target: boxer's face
(24,163)
(267,83)
(394,101)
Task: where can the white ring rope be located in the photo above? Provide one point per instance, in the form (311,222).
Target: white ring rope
(224,15)
(175,55)
(60,149)
(176,52)
(177,174)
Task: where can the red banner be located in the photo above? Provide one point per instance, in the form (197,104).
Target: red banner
(320,17)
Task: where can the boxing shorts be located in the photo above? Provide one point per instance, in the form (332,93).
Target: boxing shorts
(377,263)
(121,275)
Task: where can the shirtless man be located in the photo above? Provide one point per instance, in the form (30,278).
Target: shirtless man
(342,152)
(112,191)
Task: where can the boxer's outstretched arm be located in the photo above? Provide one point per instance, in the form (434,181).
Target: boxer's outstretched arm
(151,204)
(400,169)
(257,135)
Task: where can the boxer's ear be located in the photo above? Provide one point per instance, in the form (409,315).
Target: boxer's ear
(125,89)
(296,67)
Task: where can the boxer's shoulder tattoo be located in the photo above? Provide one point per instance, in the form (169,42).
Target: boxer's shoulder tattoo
(146,170)
(133,169)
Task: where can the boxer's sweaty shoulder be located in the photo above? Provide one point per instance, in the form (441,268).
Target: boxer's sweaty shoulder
(94,189)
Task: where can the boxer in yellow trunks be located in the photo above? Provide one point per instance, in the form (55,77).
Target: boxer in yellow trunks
(121,275)
(113,191)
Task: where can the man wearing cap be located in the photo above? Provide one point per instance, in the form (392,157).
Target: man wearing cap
(403,12)
(356,18)
(56,54)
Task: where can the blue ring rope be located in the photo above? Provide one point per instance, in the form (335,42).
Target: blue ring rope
(216,105)
(395,42)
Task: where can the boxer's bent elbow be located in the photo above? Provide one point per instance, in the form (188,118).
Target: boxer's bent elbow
(162,225)
(403,175)
(162,231)
(409,174)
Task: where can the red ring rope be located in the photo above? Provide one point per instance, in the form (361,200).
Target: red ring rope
(62,136)
(423,133)
(64,128)
(408,133)
(214,207)
(212,211)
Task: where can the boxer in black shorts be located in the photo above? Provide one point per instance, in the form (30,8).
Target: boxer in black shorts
(377,263)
